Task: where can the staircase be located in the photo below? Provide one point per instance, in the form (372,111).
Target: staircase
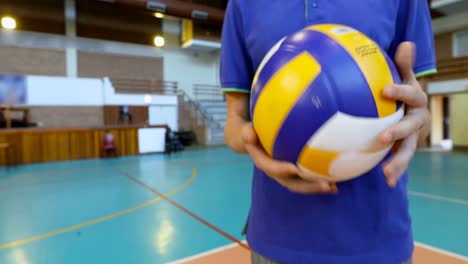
(206,118)
(204,114)
(211,101)
(217,111)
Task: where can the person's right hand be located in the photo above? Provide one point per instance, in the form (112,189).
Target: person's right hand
(285,173)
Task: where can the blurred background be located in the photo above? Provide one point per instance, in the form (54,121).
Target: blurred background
(95,64)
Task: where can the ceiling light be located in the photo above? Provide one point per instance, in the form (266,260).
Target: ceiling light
(159,15)
(148,99)
(8,23)
(159,41)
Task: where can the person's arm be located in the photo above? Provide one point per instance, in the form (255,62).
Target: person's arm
(237,118)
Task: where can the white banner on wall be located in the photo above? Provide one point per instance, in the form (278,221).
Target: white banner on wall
(63,91)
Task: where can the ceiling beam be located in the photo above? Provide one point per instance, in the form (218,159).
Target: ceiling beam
(176,8)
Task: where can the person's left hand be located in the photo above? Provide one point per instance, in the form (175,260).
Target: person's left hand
(405,133)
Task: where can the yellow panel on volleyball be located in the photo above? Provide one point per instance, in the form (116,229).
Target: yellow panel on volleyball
(280,95)
(317,160)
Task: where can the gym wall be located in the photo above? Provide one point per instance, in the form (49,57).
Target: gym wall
(32,61)
(120,66)
(444,46)
(458,121)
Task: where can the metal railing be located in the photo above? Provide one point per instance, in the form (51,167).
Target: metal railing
(450,69)
(201,113)
(142,86)
(207,92)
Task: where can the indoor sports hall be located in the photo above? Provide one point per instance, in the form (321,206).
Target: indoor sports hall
(112,146)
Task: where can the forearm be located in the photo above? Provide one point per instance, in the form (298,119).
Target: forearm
(237,118)
(233,135)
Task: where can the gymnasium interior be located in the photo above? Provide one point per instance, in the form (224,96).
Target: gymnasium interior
(112,145)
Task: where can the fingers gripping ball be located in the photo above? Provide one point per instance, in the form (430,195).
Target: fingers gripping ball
(317,101)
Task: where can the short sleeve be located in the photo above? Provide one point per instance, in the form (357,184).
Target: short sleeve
(414,24)
(236,72)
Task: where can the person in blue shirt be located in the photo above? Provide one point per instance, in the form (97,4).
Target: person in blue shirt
(365,220)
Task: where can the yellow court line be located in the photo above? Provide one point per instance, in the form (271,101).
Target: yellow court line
(101,219)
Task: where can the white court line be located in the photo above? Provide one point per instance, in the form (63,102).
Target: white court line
(439,198)
(205,253)
(441,251)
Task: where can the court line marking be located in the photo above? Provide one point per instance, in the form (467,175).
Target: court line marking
(230,246)
(443,181)
(439,198)
(205,253)
(183,186)
(441,251)
(185,210)
(101,219)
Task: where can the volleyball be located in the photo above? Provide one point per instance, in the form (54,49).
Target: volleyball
(316,100)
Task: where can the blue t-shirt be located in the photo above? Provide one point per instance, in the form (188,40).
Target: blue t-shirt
(366,222)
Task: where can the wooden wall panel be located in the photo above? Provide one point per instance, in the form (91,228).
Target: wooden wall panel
(55,146)
(97,141)
(48,146)
(4,153)
(31,148)
(9,154)
(4,139)
(81,145)
(111,115)
(444,46)
(45,145)
(112,65)
(120,138)
(139,114)
(129,141)
(32,61)
(132,140)
(67,116)
(126,141)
